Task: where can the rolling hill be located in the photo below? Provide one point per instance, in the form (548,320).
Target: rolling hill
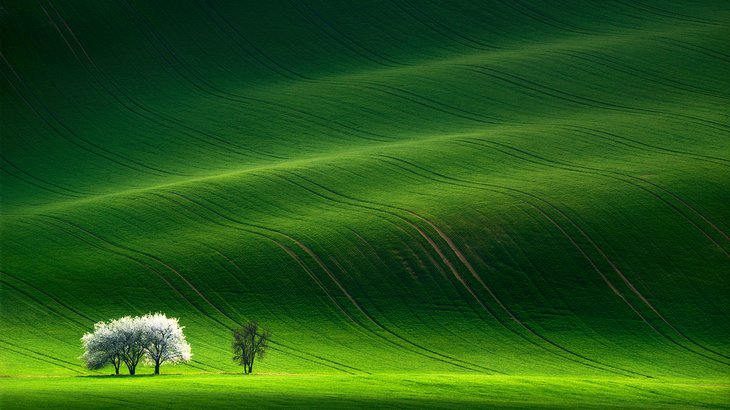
(503,188)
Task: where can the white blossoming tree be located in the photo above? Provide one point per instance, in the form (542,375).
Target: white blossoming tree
(127,340)
(102,347)
(164,340)
(130,331)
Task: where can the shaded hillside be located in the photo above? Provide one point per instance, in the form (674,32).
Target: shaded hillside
(501,187)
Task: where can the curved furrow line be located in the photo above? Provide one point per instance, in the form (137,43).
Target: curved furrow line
(237,278)
(40,303)
(299,355)
(440,356)
(63,190)
(608,174)
(284,109)
(544,363)
(246,227)
(104,87)
(142,110)
(189,364)
(375,257)
(202,84)
(368,316)
(605,61)
(112,248)
(460,278)
(203,364)
(638,5)
(553,222)
(304,267)
(353,49)
(204,314)
(365,53)
(443,29)
(585,101)
(653,392)
(72,137)
(476,276)
(673,195)
(38,185)
(390,90)
(280,69)
(428,102)
(545,18)
(24,351)
(594,245)
(599,338)
(644,146)
(700,49)
(454,274)
(49,296)
(321,286)
(531,14)
(132,12)
(322,121)
(501,322)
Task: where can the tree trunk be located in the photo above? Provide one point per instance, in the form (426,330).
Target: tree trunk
(132,371)
(157,367)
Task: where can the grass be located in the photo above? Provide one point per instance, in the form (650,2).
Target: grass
(374,391)
(500,192)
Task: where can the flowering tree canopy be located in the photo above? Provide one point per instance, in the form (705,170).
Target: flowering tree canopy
(127,340)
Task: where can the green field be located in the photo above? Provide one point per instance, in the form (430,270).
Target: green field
(428,203)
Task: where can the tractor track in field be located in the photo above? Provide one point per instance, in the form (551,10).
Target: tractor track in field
(210,89)
(58,189)
(620,176)
(444,30)
(613,64)
(541,18)
(717,55)
(134,106)
(300,262)
(582,101)
(73,138)
(639,145)
(34,354)
(445,358)
(415,347)
(46,294)
(446,263)
(373,255)
(645,8)
(177,291)
(497,188)
(203,85)
(339,37)
(609,174)
(260,56)
(359,203)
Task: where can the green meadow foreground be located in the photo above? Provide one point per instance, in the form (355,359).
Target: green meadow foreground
(335,391)
(428,203)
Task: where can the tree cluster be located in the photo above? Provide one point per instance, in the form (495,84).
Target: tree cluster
(153,337)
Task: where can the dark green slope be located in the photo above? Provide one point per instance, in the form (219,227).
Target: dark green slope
(500,187)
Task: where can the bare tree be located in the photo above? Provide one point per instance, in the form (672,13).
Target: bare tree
(249,342)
